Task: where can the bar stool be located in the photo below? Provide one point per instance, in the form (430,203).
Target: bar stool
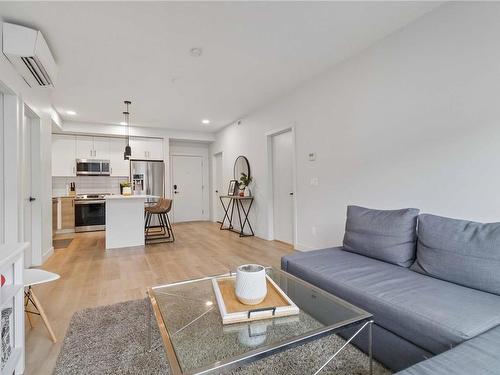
(165,232)
(34,277)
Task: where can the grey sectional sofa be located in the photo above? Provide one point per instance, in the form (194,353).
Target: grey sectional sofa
(435,295)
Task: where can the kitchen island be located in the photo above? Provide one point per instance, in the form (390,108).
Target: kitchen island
(125,220)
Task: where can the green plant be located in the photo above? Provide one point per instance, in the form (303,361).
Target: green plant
(125,184)
(245,181)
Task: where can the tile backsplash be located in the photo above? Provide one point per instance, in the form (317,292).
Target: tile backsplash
(87,185)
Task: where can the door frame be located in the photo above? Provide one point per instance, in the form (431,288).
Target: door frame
(215,198)
(36,179)
(203,184)
(270,187)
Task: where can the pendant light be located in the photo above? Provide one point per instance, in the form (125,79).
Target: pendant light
(128,151)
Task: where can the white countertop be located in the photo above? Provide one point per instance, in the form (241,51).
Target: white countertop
(118,196)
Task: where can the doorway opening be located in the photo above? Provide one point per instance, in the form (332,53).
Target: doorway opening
(281,163)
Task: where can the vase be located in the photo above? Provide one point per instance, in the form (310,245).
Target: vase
(251,284)
(247,192)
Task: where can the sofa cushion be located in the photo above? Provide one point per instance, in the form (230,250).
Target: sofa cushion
(478,356)
(388,235)
(463,252)
(431,313)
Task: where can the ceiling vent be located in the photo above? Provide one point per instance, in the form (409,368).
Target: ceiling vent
(28,51)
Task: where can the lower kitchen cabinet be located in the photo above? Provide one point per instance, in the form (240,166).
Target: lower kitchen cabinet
(67,213)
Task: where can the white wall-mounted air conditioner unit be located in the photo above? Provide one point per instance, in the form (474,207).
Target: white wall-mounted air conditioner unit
(28,51)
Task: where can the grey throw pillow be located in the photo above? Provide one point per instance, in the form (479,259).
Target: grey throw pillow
(460,251)
(388,235)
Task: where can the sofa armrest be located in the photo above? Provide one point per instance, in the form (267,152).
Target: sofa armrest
(478,356)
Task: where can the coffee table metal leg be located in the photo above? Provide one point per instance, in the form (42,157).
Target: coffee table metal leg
(369,324)
(370,345)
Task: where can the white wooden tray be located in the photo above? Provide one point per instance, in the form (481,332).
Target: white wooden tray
(276,303)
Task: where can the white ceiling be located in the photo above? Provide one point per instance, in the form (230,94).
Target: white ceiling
(253,52)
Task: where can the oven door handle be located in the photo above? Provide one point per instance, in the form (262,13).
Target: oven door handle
(89,202)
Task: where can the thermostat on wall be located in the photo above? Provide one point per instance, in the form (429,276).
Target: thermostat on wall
(312,156)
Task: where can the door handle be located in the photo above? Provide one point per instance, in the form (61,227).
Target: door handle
(175,192)
(217,191)
(290,193)
(32,199)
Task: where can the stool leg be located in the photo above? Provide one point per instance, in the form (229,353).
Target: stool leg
(170,227)
(165,225)
(43,316)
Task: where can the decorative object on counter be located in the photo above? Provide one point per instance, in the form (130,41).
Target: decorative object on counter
(251,288)
(128,150)
(6,326)
(125,188)
(245,180)
(72,189)
(2,280)
(233,188)
(275,303)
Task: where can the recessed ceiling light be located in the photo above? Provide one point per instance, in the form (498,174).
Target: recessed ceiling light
(196,51)
(123,123)
(71,113)
(205,121)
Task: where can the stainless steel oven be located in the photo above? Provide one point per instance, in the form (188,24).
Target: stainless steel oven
(92,167)
(90,213)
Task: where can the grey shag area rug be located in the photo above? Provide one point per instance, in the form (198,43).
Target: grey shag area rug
(124,339)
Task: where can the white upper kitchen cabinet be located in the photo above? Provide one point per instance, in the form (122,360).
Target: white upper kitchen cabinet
(101,148)
(63,155)
(147,148)
(92,147)
(119,166)
(84,147)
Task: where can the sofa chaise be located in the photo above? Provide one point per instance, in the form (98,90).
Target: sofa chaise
(434,291)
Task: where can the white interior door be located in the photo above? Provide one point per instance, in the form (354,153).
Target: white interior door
(282,158)
(219,188)
(187,184)
(27,212)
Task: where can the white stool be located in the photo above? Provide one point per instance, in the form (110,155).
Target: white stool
(35,277)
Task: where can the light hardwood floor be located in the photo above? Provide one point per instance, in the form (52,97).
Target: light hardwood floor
(92,276)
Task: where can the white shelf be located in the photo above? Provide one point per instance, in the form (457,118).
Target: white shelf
(11,364)
(9,292)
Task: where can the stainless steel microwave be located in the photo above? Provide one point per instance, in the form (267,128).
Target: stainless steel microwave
(92,167)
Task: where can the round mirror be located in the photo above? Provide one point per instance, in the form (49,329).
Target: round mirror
(241,165)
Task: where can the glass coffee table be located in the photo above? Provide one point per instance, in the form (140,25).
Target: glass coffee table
(197,342)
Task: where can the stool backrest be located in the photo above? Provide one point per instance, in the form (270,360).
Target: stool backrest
(165,204)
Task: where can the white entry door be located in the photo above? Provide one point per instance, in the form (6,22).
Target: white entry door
(282,159)
(187,188)
(219,211)
(27,190)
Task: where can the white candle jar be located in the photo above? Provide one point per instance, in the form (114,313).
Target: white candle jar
(251,285)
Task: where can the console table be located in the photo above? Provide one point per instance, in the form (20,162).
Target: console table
(231,201)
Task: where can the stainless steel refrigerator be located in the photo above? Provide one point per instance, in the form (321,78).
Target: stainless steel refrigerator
(147,177)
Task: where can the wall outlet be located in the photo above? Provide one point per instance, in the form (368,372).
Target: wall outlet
(314,181)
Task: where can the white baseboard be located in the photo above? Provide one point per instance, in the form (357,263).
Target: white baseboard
(47,254)
(302,247)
